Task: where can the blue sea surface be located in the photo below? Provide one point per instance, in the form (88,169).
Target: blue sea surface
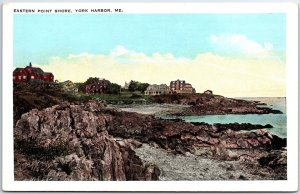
(278,121)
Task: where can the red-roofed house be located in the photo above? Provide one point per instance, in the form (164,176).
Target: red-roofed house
(31,73)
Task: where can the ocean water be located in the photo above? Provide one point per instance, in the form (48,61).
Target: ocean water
(278,121)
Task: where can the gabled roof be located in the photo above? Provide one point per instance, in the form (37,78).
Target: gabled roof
(48,73)
(36,70)
(18,69)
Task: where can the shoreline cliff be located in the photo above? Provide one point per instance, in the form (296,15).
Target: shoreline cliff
(60,137)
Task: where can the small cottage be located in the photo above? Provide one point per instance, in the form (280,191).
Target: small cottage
(209,92)
(69,86)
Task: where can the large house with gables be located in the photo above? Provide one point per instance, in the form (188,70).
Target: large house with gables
(157,89)
(180,87)
(31,73)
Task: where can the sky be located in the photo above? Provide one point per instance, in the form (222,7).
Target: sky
(235,55)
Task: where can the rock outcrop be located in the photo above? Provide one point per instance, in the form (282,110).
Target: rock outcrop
(93,142)
(277,161)
(206,104)
(240,126)
(180,137)
(70,142)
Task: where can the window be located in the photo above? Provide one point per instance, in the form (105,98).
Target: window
(24,76)
(32,77)
(14,77)
(19,77)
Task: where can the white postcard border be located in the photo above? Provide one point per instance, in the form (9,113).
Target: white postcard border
(291,184)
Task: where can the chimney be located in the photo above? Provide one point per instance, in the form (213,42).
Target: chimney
(30,65)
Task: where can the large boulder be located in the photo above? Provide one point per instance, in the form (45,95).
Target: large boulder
(70,142)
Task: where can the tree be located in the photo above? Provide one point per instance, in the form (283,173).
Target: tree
(142,87)
(81,87)
(114,88)
(90,80)
(137,86)
(133,86)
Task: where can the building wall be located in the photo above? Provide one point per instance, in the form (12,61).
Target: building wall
(48,77)
(26,74)
(177,85)
(180,86)
(126,86)
(32,75)
(208,92)
(20,76)
(157,89)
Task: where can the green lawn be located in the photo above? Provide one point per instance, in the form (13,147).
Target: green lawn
(125,97)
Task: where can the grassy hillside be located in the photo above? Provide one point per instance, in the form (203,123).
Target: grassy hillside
(27,97)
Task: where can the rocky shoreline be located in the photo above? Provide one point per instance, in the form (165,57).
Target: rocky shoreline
(71,142)
(190,167)
(90,141)
(208,104)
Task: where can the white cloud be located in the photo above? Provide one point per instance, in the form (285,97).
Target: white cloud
(119,51)
(228,76)
(241,44)
(214,38)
